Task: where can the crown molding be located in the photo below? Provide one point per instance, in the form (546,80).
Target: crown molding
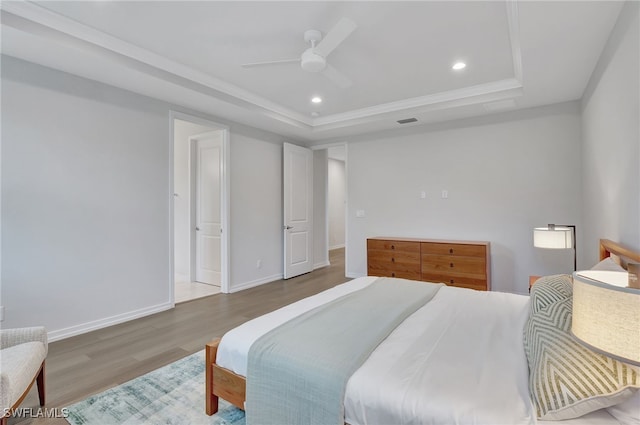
(32,18)
(514,36)
(105,44)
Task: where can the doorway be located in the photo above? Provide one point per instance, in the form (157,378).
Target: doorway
(200,207)
(336,200)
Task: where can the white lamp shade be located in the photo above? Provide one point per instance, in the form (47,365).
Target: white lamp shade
(556,238)
(606,314)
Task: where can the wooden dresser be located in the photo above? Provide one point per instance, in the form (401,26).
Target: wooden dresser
(457,263)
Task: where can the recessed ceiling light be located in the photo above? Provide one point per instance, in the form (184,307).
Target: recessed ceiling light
(458,66)
(316,99)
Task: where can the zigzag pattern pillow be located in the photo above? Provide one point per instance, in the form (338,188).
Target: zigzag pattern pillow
(566,379)
(549,289)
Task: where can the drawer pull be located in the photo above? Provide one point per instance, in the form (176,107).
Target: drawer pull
(393,274)
(450,250)
(393,247)
(393,260)
(451,281)
(450,264)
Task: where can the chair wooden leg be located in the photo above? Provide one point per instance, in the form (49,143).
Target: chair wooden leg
(4,420)
(41,387)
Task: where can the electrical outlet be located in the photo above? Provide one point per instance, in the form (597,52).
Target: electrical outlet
(423,195)
(445,194)
(258,264)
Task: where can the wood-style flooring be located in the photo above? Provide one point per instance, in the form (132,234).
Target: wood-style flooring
(83,365)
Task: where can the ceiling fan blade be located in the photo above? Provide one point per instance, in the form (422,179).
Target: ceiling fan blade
(251,65)
(335,36)
(336,77)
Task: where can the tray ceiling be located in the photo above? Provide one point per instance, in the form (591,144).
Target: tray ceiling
(399,58)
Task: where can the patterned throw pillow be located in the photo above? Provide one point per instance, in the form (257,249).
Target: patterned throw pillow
(566,379)
(549,289)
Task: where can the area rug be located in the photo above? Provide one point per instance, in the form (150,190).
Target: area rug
(173,394)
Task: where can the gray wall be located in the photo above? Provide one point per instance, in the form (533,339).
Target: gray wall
(86,202)
(504,175)
(85,185)
(611,140)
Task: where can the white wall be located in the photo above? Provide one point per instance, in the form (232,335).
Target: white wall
(611,137)
(337,205)
(256,211)
(86,202)
(85,198)
(320,220)
(182,130)
(504,174)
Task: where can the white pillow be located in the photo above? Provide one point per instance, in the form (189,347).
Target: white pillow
(627,412)
(608,265)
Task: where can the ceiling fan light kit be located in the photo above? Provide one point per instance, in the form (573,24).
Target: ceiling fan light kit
(312,62)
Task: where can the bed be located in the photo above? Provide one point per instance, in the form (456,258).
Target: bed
(459,358)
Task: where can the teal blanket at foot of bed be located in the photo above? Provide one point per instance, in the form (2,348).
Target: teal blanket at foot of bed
(298,372)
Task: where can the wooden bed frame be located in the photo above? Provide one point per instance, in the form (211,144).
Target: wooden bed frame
(221,382)
(610,248)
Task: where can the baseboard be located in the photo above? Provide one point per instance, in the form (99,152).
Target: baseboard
(336,247)
(323,264)
(253,283)
(354,275)
(106,322)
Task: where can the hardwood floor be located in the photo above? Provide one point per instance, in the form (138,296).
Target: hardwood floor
(83,365)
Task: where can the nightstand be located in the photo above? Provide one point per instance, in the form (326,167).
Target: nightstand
(532,280)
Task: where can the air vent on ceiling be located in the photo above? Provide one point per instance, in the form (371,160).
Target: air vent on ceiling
(407,120)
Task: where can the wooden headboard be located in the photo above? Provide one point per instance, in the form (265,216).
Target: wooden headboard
(609,248)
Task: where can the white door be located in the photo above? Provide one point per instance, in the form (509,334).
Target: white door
(208,220)
(298,210)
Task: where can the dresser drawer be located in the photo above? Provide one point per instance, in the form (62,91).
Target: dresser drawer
(394,258)
(394,264)
(459,281)
(451,265)
(391,245)
(454,249)
(402,274)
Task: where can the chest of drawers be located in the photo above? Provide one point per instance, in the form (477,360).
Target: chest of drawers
(456,263)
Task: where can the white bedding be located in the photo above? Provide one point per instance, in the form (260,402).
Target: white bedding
(458,360)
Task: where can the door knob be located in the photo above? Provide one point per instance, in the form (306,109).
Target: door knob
(288,227)
(197,229)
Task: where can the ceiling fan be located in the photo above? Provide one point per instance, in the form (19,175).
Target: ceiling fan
(314,59)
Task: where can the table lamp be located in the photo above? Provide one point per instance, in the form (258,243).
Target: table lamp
(556,237)
(606,314)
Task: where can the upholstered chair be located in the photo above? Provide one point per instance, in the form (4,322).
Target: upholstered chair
(22,355)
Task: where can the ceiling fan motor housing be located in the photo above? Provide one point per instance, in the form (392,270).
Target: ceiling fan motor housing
(312,62)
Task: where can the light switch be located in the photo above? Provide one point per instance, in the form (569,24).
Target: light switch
(445,194)
(423,195)
(360,213)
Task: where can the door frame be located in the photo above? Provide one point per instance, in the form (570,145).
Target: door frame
(226,200)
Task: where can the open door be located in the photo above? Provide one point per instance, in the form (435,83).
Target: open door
(298,210)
